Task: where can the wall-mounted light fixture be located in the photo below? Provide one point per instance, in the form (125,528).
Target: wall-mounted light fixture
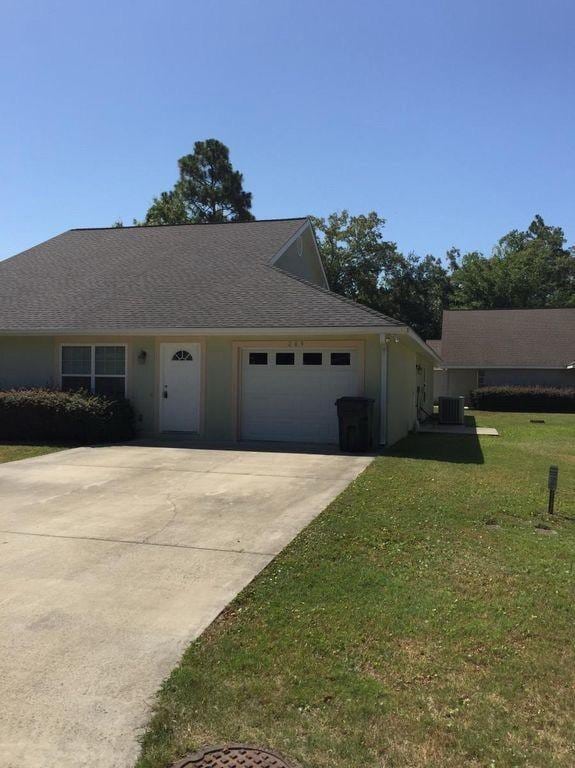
(142,355)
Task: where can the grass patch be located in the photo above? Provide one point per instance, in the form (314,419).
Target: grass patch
(399,629)
(16,451)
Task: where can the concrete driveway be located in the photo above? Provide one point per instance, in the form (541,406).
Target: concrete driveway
(111,560)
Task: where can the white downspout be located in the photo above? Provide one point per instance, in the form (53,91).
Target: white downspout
(383,391)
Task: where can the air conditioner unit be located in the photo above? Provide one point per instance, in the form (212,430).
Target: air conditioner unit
(451,410)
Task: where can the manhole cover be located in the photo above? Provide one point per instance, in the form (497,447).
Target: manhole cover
(234,756)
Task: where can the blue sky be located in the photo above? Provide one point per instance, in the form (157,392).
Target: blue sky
(454,119)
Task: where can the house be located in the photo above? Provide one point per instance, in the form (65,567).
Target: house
(486,347)
(225,331)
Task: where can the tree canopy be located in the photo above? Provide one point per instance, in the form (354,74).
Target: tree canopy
(362,265)
(208,190)
(527,269)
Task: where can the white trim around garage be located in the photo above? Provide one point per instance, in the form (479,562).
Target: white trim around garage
(300,345)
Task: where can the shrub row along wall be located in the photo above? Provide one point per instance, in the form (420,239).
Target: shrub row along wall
(51,415)
(525,399)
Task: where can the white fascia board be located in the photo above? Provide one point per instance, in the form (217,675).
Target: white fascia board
(238,331)
(405,330)
(288,243)
(318,254)
(423,346)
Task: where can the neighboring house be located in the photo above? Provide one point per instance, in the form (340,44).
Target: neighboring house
(484,347)
(227,331)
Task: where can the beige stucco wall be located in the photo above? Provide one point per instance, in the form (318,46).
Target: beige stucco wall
(401,390)
(219,397)
(26,361)
(427,381)
(35,361)
(142,382)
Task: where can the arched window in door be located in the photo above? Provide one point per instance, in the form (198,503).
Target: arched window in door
(182,355)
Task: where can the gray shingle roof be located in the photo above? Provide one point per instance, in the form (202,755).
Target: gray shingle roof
(435,345)
(187,276)
(540,338)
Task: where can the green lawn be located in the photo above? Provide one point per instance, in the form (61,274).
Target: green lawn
(15,451)
(399,630)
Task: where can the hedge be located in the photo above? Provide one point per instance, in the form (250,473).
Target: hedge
(525,399)
(51,415)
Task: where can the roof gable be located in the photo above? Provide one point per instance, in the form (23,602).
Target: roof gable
(300,256)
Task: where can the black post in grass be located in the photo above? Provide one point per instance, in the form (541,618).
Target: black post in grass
(552,485)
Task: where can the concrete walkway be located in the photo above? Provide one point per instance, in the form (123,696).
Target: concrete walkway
(457,429)
(112,560)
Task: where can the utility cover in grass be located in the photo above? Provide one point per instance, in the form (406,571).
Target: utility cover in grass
(235,756)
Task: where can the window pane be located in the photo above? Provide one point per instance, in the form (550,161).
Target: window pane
(73,383)
(285,358)
(76,360)
(258,358)
(182,355)
(110,361)
(312,358)
(111,386)
(340,358)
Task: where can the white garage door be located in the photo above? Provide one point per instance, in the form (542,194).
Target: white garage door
(289,394)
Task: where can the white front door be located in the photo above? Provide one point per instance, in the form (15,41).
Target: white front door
(180,387)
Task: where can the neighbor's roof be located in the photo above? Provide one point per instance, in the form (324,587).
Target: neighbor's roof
(435,345)
(515,338)
(186,276)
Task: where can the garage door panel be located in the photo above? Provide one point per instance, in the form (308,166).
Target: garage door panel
(296,402)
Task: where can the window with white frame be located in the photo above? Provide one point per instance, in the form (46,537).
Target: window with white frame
(97,368)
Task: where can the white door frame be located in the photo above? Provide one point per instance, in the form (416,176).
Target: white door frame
(162,347)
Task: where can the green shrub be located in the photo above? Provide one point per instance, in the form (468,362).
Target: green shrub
(524,399)
(51,415)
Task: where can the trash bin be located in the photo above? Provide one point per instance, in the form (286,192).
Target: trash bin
(355,416)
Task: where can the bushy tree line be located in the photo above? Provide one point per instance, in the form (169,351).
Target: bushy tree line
(526,269)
